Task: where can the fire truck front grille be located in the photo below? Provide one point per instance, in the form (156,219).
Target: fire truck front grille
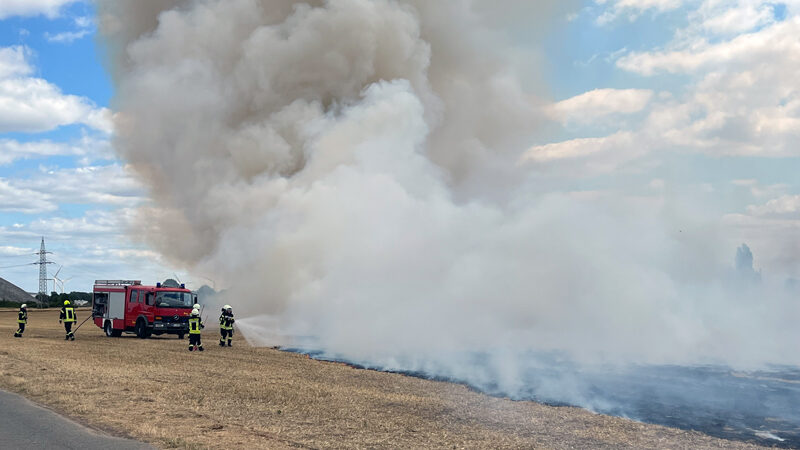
(173,319)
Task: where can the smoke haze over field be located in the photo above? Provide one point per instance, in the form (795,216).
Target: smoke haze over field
(354,170)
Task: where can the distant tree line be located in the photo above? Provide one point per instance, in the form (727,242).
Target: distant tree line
(53,300)
(57,299)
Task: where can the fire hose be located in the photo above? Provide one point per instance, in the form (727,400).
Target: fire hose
(84,321)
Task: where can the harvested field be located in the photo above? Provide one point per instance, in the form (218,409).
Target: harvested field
(245,397)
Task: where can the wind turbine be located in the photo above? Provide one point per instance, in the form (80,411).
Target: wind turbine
(60,282)
(56,279)
(64,282)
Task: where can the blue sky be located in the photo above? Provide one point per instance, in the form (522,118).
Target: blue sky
(688,98)
(59,177)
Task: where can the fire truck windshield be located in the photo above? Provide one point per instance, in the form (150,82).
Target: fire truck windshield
(174,300)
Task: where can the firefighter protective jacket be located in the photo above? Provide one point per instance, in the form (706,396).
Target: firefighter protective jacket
(195,325)
(23,317)
(67,314)
(226,321)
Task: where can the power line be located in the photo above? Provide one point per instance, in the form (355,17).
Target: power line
(19,265)
(24,255)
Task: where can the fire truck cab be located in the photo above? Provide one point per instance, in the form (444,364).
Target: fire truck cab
(127,306)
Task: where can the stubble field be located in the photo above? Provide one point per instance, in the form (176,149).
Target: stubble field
(157,391)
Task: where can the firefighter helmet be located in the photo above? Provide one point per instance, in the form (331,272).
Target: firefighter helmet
(196,306)
(66,302)
(195,312)
(23,306)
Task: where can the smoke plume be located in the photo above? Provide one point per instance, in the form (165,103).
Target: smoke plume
(350,172)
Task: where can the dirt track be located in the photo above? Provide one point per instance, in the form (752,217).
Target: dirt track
(244,397)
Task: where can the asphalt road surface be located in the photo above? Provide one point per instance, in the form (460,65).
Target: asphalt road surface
(24,424)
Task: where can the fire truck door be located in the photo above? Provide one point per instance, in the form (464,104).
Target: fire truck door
(133,307)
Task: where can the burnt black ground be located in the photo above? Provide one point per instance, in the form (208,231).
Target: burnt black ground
(760,407)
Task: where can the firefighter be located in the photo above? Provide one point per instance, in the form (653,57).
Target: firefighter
(68,317)
(195,325)
(22,319)
(226,325)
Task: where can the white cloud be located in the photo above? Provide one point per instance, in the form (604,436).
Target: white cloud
(596,104)
(726,18)
(20,199)
(29,104)
(67,37)
(85,26)
(98,185)
(95,229)
(87,147)
(11,150)
(49,8)
(742,97)
(584,156)
(768,46)
(84,22)
(758,190)
(745,16)
(786,206)
(34,105)
(745,100)
(92,224)
(7,250)
(100,119)
(94,185)
(634,8)
(14,61)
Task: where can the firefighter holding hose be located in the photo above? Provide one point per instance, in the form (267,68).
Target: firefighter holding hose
(226,325)
(195,327)
(22,319)
(68,317)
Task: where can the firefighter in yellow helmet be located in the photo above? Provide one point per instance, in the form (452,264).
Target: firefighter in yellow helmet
(68,317)
(195,325)
(22,319)
(226,325)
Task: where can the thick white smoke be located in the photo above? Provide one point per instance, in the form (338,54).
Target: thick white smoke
(350,171)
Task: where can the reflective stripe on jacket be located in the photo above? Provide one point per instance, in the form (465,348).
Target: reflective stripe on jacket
(195,325)
(226,322)
(23,317)
(68,314)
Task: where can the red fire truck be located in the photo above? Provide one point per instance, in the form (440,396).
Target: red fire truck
(127,306)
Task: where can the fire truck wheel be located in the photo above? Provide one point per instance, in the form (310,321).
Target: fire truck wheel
(107,328)
(141,329)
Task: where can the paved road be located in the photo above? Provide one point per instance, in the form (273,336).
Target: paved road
(24,424)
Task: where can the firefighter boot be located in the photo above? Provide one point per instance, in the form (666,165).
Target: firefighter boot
(71,336)
(66,338)
(191,348)
(17,334)
(200,348)
(222,342)
(229,343)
